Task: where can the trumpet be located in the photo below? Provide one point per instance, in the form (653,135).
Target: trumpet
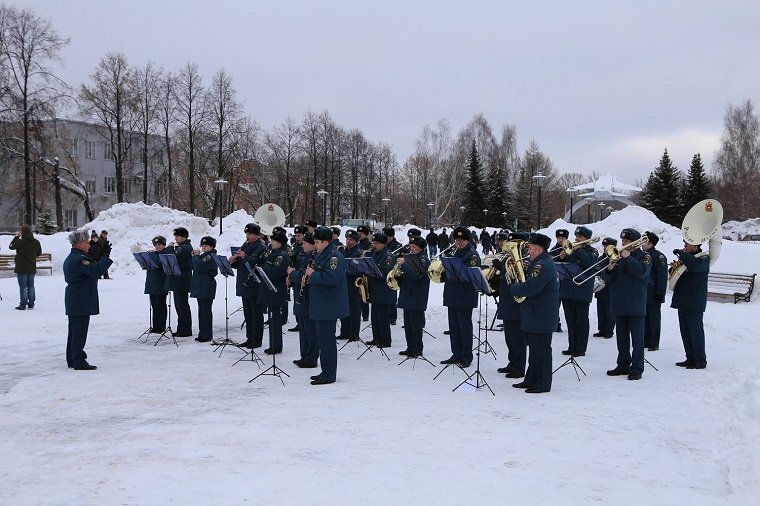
(435,269)
(568,247)
(400,252)
(611,255)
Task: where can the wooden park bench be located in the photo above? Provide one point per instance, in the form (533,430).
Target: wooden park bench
(44,262)
(722,286)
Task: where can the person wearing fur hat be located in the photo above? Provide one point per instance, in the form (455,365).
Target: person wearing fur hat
(538,312)
(203,286)
(246,258)
(350,325)
(432,242)
(690,299)
(81,274)
(328,302)
(627,278)
(657,285)
(391,246)
(297,259)
(561,236)
(575,298)
(413,294)
(276,268)
(180,285)
(382,298)
(307,330)
(460,297)
(605,318)
(155,286)
(365,245)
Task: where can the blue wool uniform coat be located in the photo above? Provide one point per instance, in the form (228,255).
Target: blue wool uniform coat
(155,279)
(81,273)
(584,257)
(203,284)
(628,286)
(253,252)
(540,310)
(365,244)
(184,254)
(276,268)
(379,291)
(657,281)
(299,259)
(509,308)
(690,292)
(328,296)
(301,302)
(461,294)
(415,283)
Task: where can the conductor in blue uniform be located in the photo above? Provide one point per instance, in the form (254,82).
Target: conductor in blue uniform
(538,313)
(328,301)
(690,299)
(81,273)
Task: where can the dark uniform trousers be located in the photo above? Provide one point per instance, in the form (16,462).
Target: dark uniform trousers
(351,326)
(517,344)
(606,320)
(328,348)
(365,310)
(413,323)
(460,328)
(576,317)
(184,317)
(693,336)
(381,323)
(76,340)
(652,325)
(307,339)
(254,320)
(158,304)
(539,374)
(630,333)
(205,318)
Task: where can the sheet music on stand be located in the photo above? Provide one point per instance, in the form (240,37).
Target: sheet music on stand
(362,267)
(170,265)
(455,269)
(479,281)
(234,249)
(567,270)
(145,260)
(263,277)
(224,265)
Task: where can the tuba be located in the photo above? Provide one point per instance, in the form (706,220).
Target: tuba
(702,223)
(268,217)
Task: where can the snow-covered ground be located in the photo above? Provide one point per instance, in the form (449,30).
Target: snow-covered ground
(161,424)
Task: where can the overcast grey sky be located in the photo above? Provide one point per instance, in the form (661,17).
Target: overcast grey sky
(600,85)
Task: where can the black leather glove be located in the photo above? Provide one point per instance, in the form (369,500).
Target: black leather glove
(677,252)
(660,299)
(107,249)
(498,264)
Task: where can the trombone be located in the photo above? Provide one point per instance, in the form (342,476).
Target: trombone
(568,247)
(611,255)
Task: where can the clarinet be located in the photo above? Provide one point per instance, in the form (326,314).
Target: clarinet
(305,278)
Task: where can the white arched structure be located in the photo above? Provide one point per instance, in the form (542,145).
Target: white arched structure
(605,189)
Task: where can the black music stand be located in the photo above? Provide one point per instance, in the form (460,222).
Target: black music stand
(146,262)
(363,266)
(480,284)
(274,369)
(171,268)
(487,348)
(252,276)
(225,270)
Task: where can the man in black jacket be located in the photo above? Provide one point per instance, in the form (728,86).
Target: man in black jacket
(27,250)
(432,242)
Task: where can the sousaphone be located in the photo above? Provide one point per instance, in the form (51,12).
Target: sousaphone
(268,217)
(701,224)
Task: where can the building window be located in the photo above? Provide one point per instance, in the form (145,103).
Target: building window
(74,148)
(89,149)
(107,153)
(160,190)
(130,185)
(70,218)
(89,185)
(109,185)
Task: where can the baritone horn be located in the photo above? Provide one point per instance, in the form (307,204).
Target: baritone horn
(702,223)
(435,269)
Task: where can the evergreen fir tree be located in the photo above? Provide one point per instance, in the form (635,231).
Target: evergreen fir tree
(661,194)
(496,200)
(697,186)
(45,224)
(474,202)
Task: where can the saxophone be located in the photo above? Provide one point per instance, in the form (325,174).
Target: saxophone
(362,283)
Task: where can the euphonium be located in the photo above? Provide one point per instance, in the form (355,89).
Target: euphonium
(393,277)
(514,265)
(362,283)
(435,269)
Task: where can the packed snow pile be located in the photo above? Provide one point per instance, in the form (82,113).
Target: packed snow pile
(737,230)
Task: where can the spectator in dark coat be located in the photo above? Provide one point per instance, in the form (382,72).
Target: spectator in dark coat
(443,240)
(432,242)
(105,248)
(27,250)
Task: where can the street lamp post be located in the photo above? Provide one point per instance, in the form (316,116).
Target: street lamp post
(461,215)
(485,218)
(540,180)
(374,220)
(57,186)
(430,214)
(323,195)
(601,210)
(220,184)
(385,210)
(588,211)
(572,193)
(609,210)
(504,218)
